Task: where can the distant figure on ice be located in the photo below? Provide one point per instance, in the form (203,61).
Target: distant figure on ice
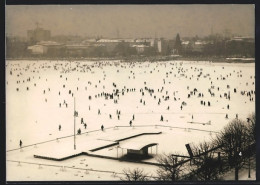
(236,116)
(81,121)
(79,131)
(226,116)
(133,117)
(59,127)
(102,127)
(85,125)
(99,112)
(130,123)
(21,143)
(161,118)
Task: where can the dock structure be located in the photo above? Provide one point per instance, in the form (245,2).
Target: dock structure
(86,146)
(139,149)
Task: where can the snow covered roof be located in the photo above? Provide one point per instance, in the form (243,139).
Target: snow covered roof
(136,145)
(140,46)
(34,46)
(185,42)
(48,43)
(243,37)
(200,42)
(141,40)
(108,40)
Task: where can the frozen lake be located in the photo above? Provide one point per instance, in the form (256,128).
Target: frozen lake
(40,97)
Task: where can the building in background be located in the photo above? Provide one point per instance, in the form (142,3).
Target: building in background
(38,34)
(37,49)
(140,48)
(110,44)
(47,48)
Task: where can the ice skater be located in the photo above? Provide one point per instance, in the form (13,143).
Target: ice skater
(59,127)
(102,127)
(79,131)
(161,118)
(21,144)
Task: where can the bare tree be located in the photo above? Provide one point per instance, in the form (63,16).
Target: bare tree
(134,175)
(206,165)
(170,168)
(251,129)
(232,141)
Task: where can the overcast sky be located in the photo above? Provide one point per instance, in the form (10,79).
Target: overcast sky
(131,20)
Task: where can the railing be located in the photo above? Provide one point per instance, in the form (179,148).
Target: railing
(64,167)
(171,127)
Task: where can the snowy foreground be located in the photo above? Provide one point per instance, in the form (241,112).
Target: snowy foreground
(40,97)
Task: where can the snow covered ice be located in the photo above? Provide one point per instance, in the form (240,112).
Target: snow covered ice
(40,97)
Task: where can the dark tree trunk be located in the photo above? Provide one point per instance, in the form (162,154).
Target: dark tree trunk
(236,173)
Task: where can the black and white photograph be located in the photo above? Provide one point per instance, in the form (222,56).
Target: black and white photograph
(128,92)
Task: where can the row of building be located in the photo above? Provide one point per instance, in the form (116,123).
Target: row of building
(108,45)
(141,46)
(39,42)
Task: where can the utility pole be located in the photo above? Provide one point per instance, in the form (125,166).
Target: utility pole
(75,114)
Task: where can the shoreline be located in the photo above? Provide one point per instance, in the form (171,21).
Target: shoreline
(143,59)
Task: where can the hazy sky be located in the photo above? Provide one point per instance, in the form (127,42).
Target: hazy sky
(131,20)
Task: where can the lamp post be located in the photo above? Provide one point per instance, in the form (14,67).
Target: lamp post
(75,115)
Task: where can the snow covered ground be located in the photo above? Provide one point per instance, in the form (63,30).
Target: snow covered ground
(146,90)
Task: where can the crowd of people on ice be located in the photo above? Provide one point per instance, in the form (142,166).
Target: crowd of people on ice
(175,70)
